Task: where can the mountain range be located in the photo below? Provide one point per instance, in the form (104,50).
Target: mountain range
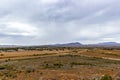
(77,44)
(74,44)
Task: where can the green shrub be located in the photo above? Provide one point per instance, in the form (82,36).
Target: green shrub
(2,67)
(7,67)
(58,65)
(7,60)
(30,69)
(106,77)
(1,54)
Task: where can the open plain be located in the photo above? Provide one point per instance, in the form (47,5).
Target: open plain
(60,63)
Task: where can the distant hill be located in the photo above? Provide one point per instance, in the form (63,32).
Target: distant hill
(107,44)
(7,46)
(76,44)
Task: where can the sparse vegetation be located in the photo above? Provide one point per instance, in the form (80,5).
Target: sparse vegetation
(82,63)
(108,53)
(59,63)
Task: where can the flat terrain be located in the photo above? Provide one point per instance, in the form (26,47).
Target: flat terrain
(60,64)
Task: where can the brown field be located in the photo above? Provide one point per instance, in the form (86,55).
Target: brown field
(60,64)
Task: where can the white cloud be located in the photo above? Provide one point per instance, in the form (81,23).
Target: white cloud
(26,29)
(17,28)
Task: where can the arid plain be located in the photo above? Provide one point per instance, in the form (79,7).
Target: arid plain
(60,63)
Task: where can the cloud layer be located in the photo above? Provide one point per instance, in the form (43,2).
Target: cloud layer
(37,22)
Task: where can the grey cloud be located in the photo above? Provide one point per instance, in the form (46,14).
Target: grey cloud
(35,22)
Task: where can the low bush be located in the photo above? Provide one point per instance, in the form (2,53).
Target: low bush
(106,77)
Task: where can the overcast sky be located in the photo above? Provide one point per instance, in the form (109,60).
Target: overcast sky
(38,22)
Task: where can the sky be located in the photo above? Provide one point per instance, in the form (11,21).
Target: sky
(41,22)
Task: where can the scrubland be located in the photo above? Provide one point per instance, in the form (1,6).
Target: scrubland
(60,64)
